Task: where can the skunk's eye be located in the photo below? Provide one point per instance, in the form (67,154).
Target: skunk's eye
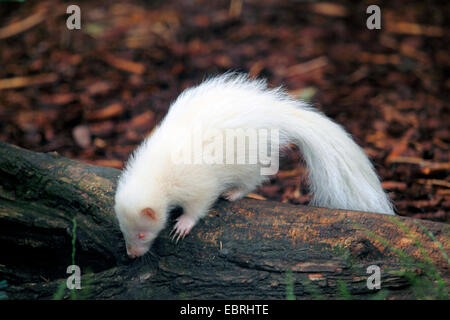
(141,235)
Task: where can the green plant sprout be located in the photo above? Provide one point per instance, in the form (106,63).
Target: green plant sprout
(84,294)
(3,285)
(289,280)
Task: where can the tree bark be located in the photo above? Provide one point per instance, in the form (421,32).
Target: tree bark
(241,250)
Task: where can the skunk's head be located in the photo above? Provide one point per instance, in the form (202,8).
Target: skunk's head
(139,227)
(140,218)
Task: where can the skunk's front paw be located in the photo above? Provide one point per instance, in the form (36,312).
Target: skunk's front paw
(183,226)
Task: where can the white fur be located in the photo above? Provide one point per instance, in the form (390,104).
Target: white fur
(341,175)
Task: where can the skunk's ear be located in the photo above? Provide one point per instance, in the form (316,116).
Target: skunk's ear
(148,213)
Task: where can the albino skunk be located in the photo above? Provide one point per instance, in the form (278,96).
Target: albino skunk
(189,161)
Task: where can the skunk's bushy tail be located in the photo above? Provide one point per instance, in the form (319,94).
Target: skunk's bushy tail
(341,174)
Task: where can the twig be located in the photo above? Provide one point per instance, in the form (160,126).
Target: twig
(18,82)
(308,66)
(427,167)
(329,9)
(235,8)
(122,64)
(414,29)
(291,173)
(23,25)
(435,182)
(255,196)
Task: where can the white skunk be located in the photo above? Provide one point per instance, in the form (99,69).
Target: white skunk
(159,175)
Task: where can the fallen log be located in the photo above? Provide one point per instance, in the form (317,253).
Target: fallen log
(249,249)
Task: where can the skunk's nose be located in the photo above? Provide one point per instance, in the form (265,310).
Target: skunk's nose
(134,252)
(131,253)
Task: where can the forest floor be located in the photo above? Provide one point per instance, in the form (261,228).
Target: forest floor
(93,94)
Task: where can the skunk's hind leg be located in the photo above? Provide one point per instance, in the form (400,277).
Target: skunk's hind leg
(234,194)
(245,184)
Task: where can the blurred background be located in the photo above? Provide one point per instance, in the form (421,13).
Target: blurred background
(93,94)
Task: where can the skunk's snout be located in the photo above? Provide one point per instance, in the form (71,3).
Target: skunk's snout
(134,252)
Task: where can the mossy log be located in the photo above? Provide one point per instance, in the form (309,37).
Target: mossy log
(241,250)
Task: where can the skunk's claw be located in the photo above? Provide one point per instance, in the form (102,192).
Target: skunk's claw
(182,228)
